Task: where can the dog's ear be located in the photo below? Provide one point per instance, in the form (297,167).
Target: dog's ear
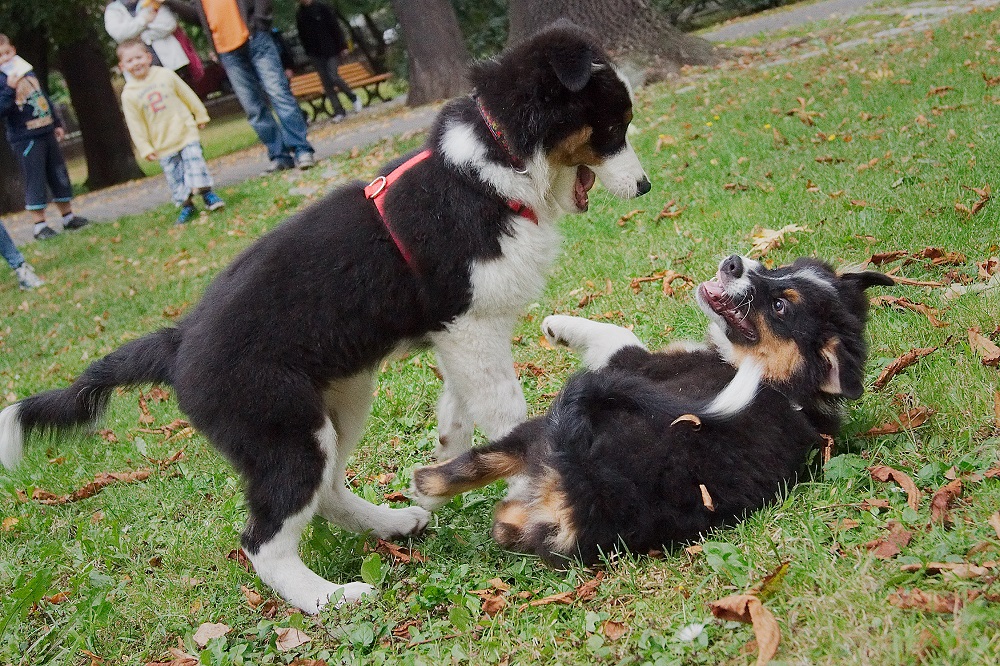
(573,64)
(865,279)
(843,377)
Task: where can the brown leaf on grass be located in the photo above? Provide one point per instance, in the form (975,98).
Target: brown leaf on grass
(107,435)
(889,546)
(180,658)
(900,364)
(994,522)
(766,240)
(401,554)
(58,598)
(963,570)
(628,216)
(860,203)
(827,448)
(145,418)
(670,210)
(301,661)
(706,497)
(887,257)
(402,630)
(101,481)
(899,279)
(988,351)
(988,268)
(940,256)
(908,420)
(239,556)
(252,596)
(289,638)
(907,304)
(748,609)
(770,583)
(931,602)
(395,496)
(584,592)
(208,631)
(873,503)
(614,630)
(991,80)
(939,91)
(941,502)
(157,394)
(667,276)
(884,473)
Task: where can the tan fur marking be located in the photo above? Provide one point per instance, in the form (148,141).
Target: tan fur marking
(779,356)
(554,509)
(792,296)
(509,521)
(465,473)
(575,150)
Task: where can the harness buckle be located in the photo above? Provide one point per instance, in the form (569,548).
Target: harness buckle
(379,185)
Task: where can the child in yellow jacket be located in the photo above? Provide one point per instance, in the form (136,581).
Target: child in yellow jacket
(163,116)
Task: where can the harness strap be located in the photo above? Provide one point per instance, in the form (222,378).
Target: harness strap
(376,192)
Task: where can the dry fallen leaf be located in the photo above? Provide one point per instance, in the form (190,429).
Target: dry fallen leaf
(290,638)
(101,480)
(908,420)
(614,630)
(889,546)
(766,240)
(941,502)
(208,631)
(687,418)
(931,602)
(987,350)
(963,570)
(905,303)
(994,522)
(748,609)
(180,658)
(401,554)
(584,592)
(827,448)
(883,473)
(706,498)
(252,596)
(900,364)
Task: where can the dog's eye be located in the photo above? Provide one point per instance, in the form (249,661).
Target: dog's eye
(780,306)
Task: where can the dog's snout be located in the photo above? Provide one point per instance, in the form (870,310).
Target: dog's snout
(732,266)
(643,186)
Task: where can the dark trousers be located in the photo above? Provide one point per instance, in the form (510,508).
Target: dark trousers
(326,67)
(42,164)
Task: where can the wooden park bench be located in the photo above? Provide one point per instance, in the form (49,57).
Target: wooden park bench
(308,87)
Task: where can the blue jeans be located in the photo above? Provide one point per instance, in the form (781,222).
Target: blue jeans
(9,250)
(260,84)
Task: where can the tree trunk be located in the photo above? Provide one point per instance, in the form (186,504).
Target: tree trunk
(438,57)
(106,142)
(11,181)
(632,31)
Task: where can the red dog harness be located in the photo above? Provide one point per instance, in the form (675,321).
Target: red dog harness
(376,191)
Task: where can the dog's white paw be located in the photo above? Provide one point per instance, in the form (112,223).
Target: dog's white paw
(407,522)
(354,591)
(554,328)
(330,593)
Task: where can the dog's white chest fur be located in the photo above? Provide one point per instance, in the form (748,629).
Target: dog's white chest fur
(517,276)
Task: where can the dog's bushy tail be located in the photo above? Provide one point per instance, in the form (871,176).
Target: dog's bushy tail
(150,359)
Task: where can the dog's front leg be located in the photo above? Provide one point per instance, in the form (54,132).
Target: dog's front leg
(595,342)
(481,387)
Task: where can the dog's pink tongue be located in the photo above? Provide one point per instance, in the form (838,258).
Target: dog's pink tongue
(585,179)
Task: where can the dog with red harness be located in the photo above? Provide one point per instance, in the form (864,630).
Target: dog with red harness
(276,364)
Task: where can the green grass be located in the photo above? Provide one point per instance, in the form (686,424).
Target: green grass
(145,564)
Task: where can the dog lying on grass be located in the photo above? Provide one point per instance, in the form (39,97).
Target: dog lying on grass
(643,450)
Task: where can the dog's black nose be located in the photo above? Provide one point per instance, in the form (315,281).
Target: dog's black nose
(732,266)
(643,186)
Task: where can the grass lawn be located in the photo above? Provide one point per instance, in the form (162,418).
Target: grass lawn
(876,150)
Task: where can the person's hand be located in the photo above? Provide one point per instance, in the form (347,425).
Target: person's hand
(152,157)
(12,81)
(60,133)
(289,73)
(202,125)
(345,53)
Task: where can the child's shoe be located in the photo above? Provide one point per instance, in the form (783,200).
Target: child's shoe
(213,201)
(26,278)
(187,212)
(45,232)
(76,223)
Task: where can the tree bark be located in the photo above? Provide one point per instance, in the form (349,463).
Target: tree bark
(438,58)
(106,142)
(633,32)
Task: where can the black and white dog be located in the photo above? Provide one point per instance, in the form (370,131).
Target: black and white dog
(276,364)
(644,450)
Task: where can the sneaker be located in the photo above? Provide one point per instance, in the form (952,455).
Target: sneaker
(26,278)
(305,161)
(187,212)
(278,165)
(357,104)
(76,223)
(213,201)
(338,118)
(45,233)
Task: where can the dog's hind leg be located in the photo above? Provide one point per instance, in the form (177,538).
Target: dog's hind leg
(282,490)
(433,485)
(475,359)
(595,342)
(349,401)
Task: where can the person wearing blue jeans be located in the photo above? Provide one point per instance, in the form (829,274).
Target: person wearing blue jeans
(26,278)
(241,35)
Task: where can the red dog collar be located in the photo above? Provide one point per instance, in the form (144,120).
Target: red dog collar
(377,189)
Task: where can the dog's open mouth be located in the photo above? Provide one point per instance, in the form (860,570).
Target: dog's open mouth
(584,181)
(714,295)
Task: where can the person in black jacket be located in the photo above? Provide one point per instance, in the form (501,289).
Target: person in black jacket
(324,43)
